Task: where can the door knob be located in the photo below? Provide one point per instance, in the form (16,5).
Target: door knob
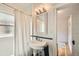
(73,42)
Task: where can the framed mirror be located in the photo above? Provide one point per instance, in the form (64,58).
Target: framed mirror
(42,23)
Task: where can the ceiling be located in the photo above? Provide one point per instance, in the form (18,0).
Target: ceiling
(28,6)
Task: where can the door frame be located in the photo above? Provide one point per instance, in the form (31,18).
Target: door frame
(70,34)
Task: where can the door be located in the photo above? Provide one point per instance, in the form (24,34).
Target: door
(75,33)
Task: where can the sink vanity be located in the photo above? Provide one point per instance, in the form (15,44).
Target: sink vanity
(40,46)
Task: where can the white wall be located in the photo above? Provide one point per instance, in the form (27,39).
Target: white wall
(52,31)
(6,46)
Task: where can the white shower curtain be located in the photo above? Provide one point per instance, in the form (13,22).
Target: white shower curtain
(22,33)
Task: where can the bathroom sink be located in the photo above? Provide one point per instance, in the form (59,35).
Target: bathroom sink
(35,44)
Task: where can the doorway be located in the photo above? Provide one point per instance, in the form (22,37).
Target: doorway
(68,22)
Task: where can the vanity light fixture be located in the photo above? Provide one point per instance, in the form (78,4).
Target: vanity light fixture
(40,10)
(37,13)
(44,10)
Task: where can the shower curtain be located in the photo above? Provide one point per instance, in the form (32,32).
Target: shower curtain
(22,33)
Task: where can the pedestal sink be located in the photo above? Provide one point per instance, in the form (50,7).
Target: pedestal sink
(37,45)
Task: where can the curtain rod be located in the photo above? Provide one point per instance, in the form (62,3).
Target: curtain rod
(14,8)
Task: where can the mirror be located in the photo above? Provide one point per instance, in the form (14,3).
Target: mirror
(42,23)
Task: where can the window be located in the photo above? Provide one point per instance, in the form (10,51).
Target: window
(6,34)
(6,24)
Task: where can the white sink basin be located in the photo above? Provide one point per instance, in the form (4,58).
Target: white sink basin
(37,44)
